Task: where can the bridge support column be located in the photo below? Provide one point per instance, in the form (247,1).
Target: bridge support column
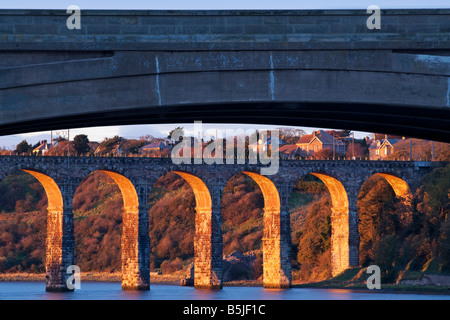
(344,235)
(60,246)
(136,245)
(276,248)
(208,248)
(353,232)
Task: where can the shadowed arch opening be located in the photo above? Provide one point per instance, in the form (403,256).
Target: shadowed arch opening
(208,237)
(135,272)
(276,248)
(98,211)
(385,212)
(340,228)
(54,197)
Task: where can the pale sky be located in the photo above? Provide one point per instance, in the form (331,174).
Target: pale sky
(229,4)
(98,134)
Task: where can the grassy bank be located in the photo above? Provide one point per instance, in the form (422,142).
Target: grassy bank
(355,279)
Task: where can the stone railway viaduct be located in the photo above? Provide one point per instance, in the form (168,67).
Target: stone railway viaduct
(303,68)
(60,176)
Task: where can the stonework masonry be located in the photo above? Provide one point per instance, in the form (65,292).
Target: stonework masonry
(135,177)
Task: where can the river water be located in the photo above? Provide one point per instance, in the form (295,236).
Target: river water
(113,291)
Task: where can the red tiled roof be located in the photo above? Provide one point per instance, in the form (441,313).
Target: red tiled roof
(306,138)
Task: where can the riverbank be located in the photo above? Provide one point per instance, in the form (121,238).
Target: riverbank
(355,279)
(91,277)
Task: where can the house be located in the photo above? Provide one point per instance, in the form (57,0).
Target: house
(291,151)
(43,148)
(263,146)
(155,147)
(381,149)
(319,140)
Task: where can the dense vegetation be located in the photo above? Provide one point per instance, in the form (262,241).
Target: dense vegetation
(398,236)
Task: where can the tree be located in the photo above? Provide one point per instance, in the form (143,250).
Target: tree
(323,154)
(23,147)
(356,150)
(290,135)
(169,136)
(81,144)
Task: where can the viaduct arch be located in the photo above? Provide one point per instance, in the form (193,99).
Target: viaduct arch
(276,236)
(208,236)
(60,241)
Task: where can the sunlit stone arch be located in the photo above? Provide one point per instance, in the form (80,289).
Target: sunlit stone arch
(135,240)
(344,239)
(340,228)
(400,186)
(208,237)
(276,235)
(59,241)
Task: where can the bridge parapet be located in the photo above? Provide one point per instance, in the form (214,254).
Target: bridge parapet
(226,29)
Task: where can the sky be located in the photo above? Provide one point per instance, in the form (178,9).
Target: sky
(99,133)
(229,4)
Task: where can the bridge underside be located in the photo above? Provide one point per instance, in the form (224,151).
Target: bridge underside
(424,123)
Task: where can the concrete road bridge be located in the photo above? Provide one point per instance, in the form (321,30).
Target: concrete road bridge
(322,68)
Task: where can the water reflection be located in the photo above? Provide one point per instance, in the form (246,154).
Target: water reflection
(113,291)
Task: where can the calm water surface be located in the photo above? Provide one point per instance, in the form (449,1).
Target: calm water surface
(113,291)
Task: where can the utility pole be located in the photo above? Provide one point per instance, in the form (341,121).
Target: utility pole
(410,149)
(432,150)
(353,146)
(333,147)
(68,140)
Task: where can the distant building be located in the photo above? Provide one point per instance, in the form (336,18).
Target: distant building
(319,140)
(155,147)
(381,149)
(43,148)
(264,145)
(291,151)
